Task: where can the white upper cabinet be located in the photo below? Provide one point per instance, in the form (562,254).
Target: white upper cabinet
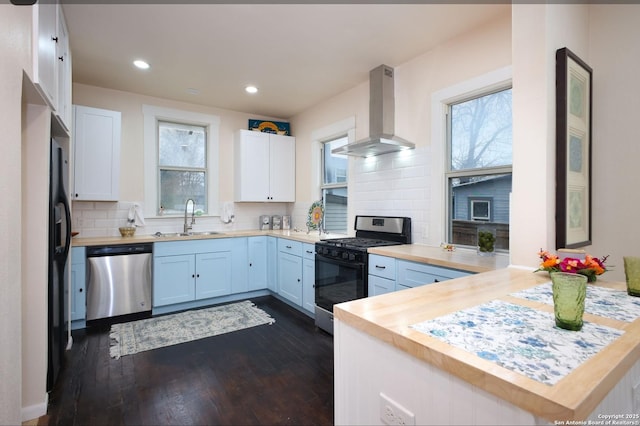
(96,160)
(63,61)
(264,167)
(52,59)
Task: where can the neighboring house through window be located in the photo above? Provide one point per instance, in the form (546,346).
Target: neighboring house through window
(334,186)
(478,166)
(181,161)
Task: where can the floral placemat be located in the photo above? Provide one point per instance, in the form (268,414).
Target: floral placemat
(520,339)
(604,302)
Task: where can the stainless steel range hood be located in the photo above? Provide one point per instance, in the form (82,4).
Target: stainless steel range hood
(381,138)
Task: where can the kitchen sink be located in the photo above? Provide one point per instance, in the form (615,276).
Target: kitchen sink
(185,234)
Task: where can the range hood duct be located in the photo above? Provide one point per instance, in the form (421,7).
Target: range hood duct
(382,139)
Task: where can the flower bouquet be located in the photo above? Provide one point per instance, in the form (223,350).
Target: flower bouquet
(591,266)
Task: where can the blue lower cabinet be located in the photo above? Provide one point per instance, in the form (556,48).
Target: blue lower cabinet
(78,307)
(213,275)
(257,251)
(174,279)
(290,277)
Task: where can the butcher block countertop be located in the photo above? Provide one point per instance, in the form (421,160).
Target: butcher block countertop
(404,319)
(310,238)
(466,260)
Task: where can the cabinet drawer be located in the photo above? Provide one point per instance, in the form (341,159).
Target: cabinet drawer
(382,266)
(290,246)
(309,251)
(412,274)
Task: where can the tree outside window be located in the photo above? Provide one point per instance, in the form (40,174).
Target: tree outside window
(479,166)
(182,166)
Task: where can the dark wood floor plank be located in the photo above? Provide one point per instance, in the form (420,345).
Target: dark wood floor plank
(279,374)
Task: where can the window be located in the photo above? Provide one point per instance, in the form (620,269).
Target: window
(334,186)
(182,166)
(180,161)
(479,166)
(480,209)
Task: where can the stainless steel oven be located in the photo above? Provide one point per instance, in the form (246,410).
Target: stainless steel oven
(342,264)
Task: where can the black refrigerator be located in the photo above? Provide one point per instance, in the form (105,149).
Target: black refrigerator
(59,245)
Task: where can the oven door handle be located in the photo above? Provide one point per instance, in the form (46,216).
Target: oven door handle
(354,265)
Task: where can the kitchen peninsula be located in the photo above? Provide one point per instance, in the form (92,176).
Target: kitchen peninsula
(392,361)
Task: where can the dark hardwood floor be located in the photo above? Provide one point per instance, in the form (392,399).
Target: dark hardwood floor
(266,375)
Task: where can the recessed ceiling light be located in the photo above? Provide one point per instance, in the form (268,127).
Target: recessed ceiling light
(251,89)
(141,64)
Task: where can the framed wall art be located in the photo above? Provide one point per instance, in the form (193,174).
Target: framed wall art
(573,150)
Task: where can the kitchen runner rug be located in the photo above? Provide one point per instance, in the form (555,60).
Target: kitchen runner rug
(152,333)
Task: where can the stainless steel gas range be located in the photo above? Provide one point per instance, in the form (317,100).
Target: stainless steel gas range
(342,263)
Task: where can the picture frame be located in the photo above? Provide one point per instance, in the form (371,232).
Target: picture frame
(574,110)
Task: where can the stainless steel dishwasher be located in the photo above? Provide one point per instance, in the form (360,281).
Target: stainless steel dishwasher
(119,280)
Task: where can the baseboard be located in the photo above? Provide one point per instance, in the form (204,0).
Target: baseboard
(34,411)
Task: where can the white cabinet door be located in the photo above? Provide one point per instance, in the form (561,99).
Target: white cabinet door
(251,166)
(63,63)
(264,167)
(45,36)
(282,171)
(97,154)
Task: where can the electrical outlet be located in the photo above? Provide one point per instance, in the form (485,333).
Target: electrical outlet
(392,413)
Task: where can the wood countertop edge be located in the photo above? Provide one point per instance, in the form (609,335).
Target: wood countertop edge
(464,260)
(136,239)
(573,398)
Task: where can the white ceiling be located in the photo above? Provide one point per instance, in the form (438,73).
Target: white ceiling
(298,55)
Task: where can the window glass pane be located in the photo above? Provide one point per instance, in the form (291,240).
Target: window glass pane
(335,166)
(181,145)
(481,132)
(177,186)
(486,197)
(335,210)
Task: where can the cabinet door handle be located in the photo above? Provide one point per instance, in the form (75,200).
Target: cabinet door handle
(435,280)
(193,275)
(80,290)
(309,251)
(250,264)
(381,267)
(298,279)
(54,38)
(288,247)
(61,58)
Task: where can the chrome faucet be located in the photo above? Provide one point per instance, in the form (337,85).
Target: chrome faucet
(189,227)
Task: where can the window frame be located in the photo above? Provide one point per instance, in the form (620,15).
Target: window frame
(450,174)
(440,204)
(337,185)
(152,115)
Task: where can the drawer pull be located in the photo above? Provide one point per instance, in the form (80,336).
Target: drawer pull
(381,267)
(288,247)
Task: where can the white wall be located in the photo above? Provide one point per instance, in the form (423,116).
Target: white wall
(399,184)
(104,218)
(614,55)
(533,192)
(604,36)
(15,40)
